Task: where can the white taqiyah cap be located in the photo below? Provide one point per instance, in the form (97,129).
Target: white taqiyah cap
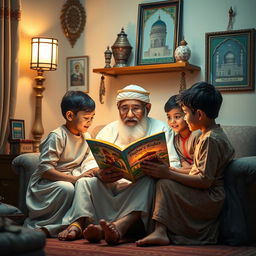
(133,92)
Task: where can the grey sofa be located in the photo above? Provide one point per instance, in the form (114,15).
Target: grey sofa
(238,223)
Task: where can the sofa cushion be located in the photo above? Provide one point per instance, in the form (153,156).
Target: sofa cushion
(7,209)
(24,165)
(238,223)
(12,212)
(242,138)
(17,240)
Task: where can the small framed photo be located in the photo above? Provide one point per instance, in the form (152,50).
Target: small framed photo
(17,129)
(158,32)
(78,73)
(230,59)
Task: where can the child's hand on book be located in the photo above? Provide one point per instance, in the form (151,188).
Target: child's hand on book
(109,176)
(156,169)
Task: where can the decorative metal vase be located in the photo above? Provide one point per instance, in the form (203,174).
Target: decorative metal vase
(182,52)
(108,55)
(121,49)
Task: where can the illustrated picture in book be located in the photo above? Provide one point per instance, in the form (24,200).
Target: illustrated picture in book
(128,160)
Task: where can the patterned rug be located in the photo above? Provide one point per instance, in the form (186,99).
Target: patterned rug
(54,247)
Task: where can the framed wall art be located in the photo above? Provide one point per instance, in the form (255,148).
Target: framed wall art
(230,59)
(158,32)
(73,20)
(78,73)
(17,129)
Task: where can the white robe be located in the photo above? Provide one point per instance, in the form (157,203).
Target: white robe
(96,200)
(48,201)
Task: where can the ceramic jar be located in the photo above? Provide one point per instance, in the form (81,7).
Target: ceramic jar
(121,49)
(182,52)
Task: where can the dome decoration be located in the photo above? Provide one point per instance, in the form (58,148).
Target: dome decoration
(229,58)
(158,27)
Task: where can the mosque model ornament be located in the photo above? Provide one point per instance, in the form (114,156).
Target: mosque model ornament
(182,52)
(121,49)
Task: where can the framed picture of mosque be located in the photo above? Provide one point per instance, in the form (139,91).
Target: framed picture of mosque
(230,59)
(78,73)
(158,32)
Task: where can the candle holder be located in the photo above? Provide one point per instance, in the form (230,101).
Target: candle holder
(108,55)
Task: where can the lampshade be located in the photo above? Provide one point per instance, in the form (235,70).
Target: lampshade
(44,53)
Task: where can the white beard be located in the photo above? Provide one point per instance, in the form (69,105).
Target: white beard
(127,134)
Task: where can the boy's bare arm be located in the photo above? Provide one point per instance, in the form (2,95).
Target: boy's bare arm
(163,171)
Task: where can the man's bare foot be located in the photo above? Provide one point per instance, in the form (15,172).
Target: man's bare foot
(93,233)
(155,238)
(111,234)
(72,232)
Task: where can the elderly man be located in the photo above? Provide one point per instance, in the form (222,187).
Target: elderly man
(110,203)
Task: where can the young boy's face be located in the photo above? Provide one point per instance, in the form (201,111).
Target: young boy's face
(175,118)
(191,118)
(80,122)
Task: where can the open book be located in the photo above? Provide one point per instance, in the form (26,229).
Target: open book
(128,160)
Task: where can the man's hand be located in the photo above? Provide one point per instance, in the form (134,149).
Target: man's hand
(158,170)
(108,175)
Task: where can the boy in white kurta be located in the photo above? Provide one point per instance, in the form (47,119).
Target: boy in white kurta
(64,159)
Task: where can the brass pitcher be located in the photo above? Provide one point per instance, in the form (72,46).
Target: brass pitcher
(121,49)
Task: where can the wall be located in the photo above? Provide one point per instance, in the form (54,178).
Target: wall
(104,21)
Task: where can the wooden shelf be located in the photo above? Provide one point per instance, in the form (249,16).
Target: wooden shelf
(169,67)
(145,69)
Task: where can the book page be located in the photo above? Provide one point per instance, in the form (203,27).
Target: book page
(107,155)
(150,148)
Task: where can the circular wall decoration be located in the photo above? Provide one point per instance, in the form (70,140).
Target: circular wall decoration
(73,20)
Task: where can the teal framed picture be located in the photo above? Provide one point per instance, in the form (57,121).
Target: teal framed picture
(158,32)
(230,59)
(17,129)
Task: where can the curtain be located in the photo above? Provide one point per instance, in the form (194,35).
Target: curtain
(9,44)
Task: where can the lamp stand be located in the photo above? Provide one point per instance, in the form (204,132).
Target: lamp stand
(37,128)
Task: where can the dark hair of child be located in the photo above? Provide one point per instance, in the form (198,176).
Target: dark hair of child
(171,103)
(202,96)
(76,101)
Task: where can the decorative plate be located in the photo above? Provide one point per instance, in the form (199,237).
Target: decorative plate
(73,19)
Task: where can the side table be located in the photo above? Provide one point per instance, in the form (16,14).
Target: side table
(9,182)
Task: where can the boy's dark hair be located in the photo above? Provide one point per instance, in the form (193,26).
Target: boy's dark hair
(171,104)
(202,96)
(76,101)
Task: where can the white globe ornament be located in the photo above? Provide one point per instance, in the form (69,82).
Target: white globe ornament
(182,52)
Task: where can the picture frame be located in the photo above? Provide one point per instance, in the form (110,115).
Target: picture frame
(17,129)
(230,59)
(78,73)
(158,32)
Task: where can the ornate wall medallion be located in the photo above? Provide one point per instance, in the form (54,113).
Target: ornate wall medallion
(73,20)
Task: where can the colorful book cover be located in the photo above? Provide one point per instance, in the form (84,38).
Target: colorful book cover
(128,159)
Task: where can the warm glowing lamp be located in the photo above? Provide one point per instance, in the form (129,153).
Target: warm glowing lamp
(44,55)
